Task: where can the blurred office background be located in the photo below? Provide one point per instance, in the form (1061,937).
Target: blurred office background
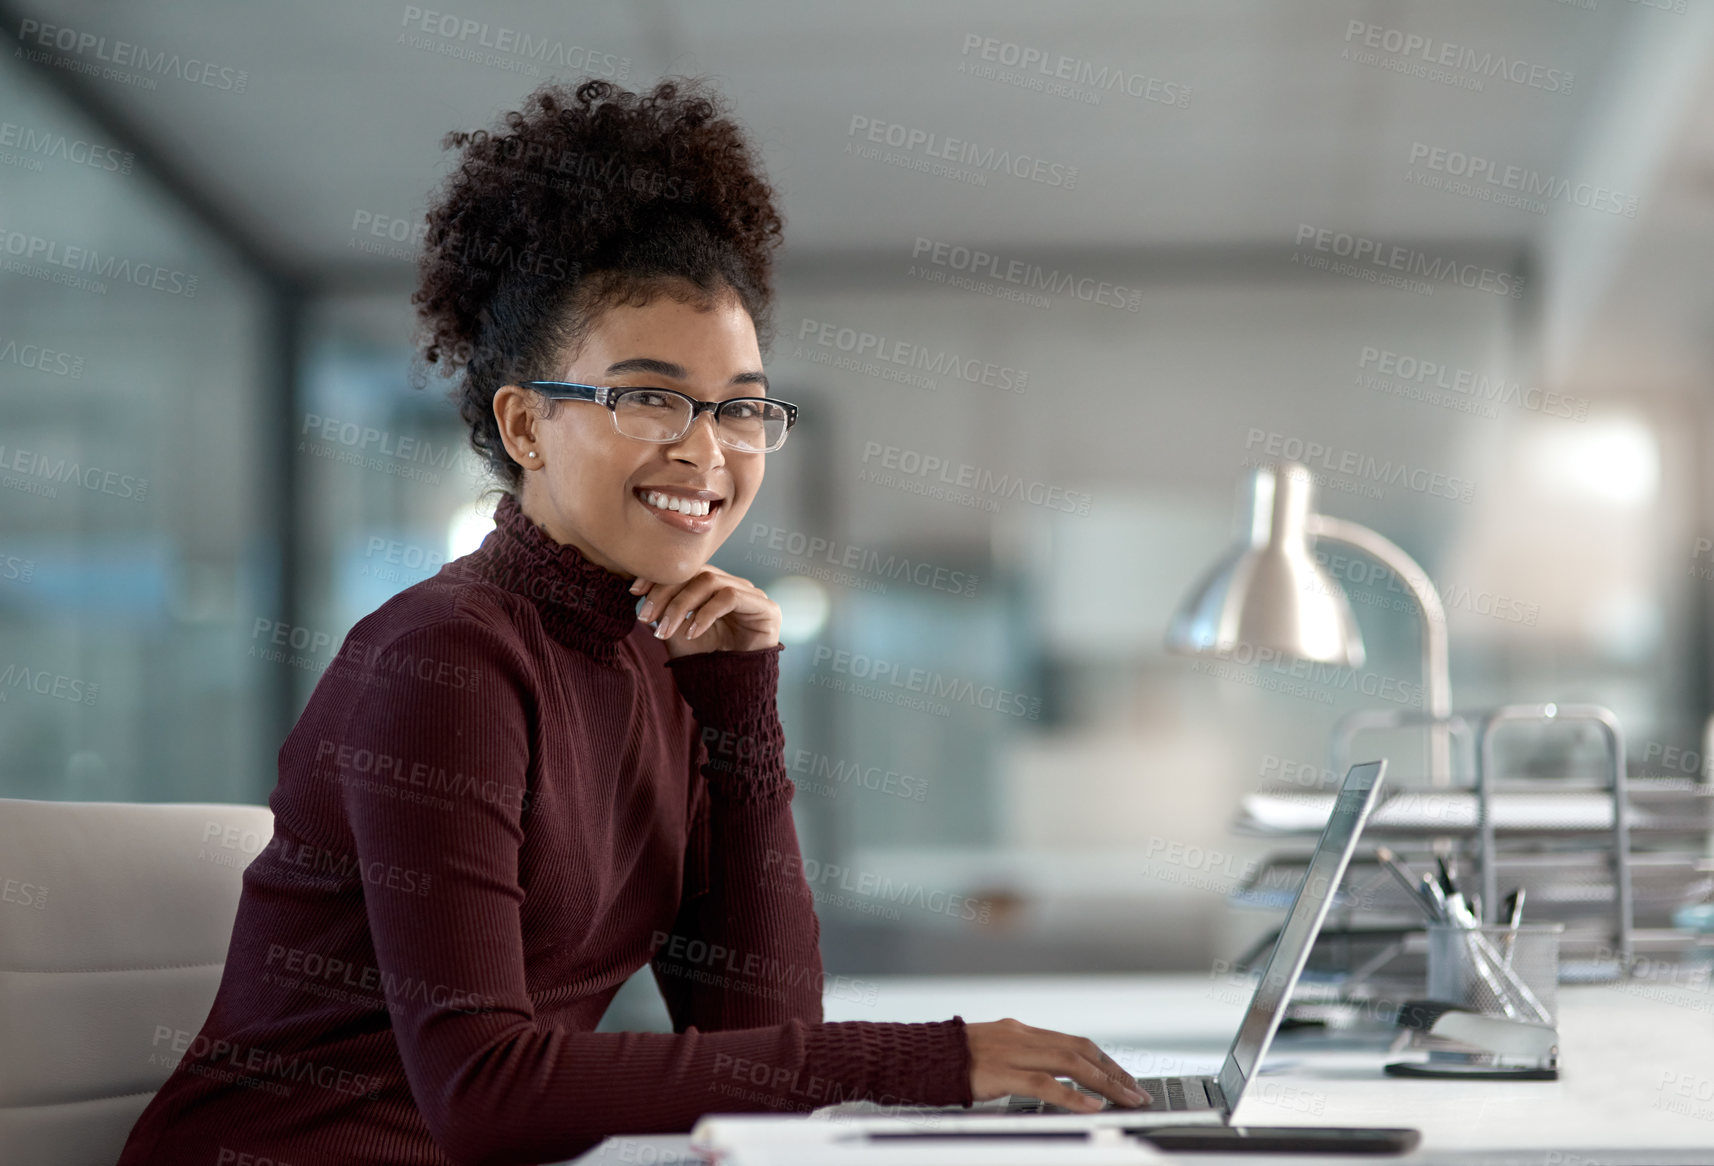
(252,470)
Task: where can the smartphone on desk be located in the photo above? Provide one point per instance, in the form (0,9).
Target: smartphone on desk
(1282,1139)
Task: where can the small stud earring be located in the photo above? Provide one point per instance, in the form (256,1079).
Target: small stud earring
(532,453)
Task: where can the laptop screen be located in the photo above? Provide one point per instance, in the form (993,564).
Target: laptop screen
(1297,934)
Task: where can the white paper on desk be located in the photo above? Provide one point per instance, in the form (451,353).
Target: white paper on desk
(1116,1150)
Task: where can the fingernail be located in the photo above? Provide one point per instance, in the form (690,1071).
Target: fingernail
(1135,1097)
(636,586)
(643,611)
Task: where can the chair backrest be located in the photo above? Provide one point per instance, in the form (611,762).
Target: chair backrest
(114,924)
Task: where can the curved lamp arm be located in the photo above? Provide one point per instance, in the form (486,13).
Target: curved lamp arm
(1437,679)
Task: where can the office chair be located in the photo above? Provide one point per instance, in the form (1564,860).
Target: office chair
(114,924)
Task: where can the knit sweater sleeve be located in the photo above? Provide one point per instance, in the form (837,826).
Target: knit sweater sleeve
(745,896)
(492,1082)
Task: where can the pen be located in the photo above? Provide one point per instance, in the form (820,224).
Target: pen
(1488,961)
(1436,897)
(1514,912)
(1402,875)
(1459,914)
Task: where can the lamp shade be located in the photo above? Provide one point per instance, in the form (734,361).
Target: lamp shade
(1269,592)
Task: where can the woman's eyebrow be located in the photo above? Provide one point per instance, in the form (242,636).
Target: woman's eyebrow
(667,368)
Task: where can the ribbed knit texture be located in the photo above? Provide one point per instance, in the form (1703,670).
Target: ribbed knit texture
(502,799)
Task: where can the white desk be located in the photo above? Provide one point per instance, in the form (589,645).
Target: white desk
(1626,1052)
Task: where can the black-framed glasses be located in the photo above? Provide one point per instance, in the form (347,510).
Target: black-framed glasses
(750,424)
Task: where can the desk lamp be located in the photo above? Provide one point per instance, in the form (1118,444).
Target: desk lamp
(1269,592)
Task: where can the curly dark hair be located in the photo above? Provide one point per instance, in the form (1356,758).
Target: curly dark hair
(583,200)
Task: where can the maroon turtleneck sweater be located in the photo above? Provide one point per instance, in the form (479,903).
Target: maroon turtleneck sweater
(502,799)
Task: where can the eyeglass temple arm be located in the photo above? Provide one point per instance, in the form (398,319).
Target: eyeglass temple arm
(567,390)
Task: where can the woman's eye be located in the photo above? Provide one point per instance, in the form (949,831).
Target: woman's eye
(651,400)
(743,411)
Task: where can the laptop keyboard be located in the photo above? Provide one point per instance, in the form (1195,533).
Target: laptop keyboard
(1172,1093)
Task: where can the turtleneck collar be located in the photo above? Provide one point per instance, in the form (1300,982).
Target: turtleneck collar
(582,605)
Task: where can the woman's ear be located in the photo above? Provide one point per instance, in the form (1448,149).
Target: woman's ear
(517,424)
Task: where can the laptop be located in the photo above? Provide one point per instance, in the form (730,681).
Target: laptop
(1189,1100)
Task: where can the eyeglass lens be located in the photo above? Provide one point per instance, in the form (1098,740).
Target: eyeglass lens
(656,416)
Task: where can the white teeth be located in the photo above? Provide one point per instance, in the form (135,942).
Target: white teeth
(687,506)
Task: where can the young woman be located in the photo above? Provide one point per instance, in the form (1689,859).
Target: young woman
(559,760)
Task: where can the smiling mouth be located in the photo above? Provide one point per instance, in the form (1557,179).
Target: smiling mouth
(683,507)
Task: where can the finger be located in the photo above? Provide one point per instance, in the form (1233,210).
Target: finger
(655,598)
(1115,1088)
(1088,1050)
(1051,1090)
(710,611)
(724,598)
(690,597)
(1066,1058)
(1108,1065)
